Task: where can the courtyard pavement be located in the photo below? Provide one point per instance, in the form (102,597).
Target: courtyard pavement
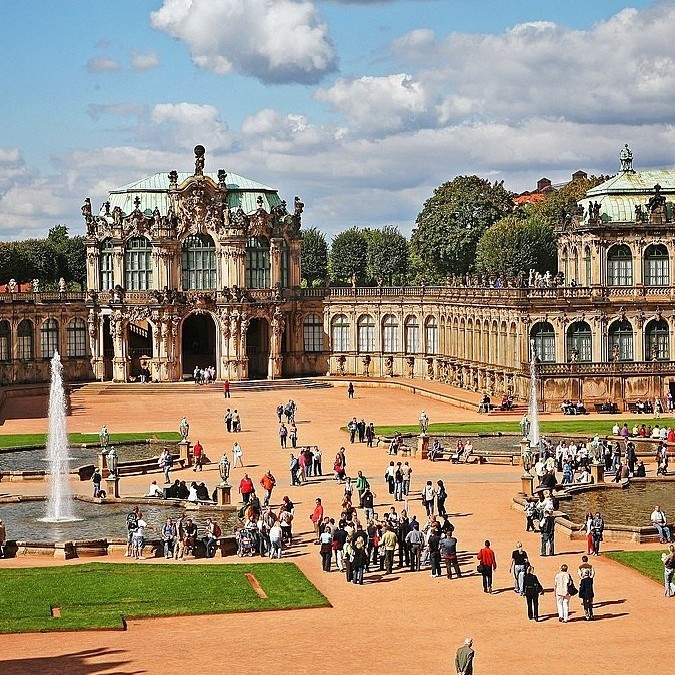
(402,623)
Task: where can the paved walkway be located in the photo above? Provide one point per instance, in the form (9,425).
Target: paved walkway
(406,623)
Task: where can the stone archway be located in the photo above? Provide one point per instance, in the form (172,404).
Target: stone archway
(198,342)
(258,348)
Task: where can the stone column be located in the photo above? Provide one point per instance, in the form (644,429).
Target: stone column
(93,267)
(275,262)
(295,272)
(277,326)
(120,362)
(118,264)
(242,358)
(598,473)
(112,487)
(223,494)
(422,446)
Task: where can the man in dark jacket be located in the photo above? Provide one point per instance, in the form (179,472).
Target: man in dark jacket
(547,529)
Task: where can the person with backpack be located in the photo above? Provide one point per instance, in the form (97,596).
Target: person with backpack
(132,523)
(169,537)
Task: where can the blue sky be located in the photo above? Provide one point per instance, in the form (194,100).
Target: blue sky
(359,107)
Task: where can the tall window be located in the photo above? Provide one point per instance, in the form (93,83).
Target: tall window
(5,341)
(366,334)
(656,266)
(619,266)
(390,334)
(412,335)
(579,342)
(49,338)
(199,263)
(587,266)
(106,265)
(544,341)
(312,333)
(258,263)
(432,336)
(656,343)
(138,264)
(77,338)
(25,336)
(340,333)
(565,266)
(620,341)
(285,266)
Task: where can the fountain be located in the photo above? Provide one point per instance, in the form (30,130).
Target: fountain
(60,499)
(533,408)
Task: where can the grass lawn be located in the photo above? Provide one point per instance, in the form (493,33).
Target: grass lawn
(646,562)
(28,440)
(99,596)
(583,426)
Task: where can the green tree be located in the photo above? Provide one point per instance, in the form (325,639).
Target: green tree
(559,205)
(451,223)
(387,257)
(348,253)
(515,244)
(314,257)
(35,259)
(76,261)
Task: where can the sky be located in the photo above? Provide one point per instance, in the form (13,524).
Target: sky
(360,107)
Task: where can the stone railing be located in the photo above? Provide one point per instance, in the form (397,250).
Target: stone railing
(606,368)
(47,296)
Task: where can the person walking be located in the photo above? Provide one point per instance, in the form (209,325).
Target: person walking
(96,480)
(434,548)
(589,534)
(237,455)
(350,390)
(487,563)
(464,658)
(228,420)
(449,553)
(586,576)
(519,563)
(268,481)
(326,549)
(441,496)
(358,561)
(293,435)
(668,570)
(597,528)
(532,590)
(389,540)
(415,540)
(283,433)
(226,389)
(316,517)
(428,497)
(562,587)
(547,529)
(197,455)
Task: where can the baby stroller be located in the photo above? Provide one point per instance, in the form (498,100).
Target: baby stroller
(245,543)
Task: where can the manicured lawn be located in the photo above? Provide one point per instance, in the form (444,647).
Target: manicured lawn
(28,440)
(101,595)
(646,562)
(585,426)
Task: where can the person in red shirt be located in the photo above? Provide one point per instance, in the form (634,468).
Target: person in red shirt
(671,435)
(317,517)
(226,389)
(197,454)
(488,563)
(268,482)
(245,488)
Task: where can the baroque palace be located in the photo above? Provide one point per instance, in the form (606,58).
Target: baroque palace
(200,269)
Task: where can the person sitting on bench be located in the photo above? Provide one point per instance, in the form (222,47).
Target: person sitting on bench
(468,451)
(459,451)
(579,408)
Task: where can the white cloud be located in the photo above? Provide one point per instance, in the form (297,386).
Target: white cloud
(144,61)
(276,41)
(184,125)
(102,64)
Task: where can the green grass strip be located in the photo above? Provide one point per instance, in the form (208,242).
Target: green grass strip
(574,426)
(100,595)
(28,440)
(646,562)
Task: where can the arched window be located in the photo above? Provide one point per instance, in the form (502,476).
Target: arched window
(49,338)
(412,335)
(138,264)
(656,268)
(285,265)
(312,333)
(579,342)
(390,334)
(340,333)
(77,338)
(432,336)
(656,342)
(199,263)
(5,341)
(25,337)
(619,266)
(587,266)
(258,263)
(544,341)
(620,341)
(106,265)
(366,334)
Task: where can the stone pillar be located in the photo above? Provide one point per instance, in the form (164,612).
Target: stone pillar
(275,262)
(120,362)
(277,326)
(295,273)
(112,487)
(598,473)
(527,484)
(103,465)
(422,446)
(185,454)
(223,494)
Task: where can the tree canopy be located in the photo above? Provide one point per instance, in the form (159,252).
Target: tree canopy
(314,257)
(452,221)
(348,256)
(515,244)
(387,256)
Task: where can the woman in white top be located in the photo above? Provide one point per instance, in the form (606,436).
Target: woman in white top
(192,496)
(237,454)
(562,596)
(275,540)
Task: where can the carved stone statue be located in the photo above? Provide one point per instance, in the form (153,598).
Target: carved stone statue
(12,286)
(626,159)
(424,422)
(525,426)
(184,428)
(199,160)
(62,285)
(657,206)
(104,437)
(639,214)
(615,353)
(112,461)
(35,285)
(342,360)
(389,366)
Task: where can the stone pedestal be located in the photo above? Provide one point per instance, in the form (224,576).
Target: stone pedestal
(422,446)
(185,453)
(527,484)
(112,488)
(223,495)
(103,465)
(598,473)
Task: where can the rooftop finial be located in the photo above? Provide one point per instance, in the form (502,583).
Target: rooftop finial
(626,159)
(199,160)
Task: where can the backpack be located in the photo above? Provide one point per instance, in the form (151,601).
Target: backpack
(132,521)
(169,460)
(217,532)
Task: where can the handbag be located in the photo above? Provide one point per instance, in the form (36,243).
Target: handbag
(571,588)
(480,568)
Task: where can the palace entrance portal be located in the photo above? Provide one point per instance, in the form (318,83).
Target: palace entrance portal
(198,342)
(258,349)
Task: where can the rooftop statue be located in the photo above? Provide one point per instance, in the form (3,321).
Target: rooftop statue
(626,159)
